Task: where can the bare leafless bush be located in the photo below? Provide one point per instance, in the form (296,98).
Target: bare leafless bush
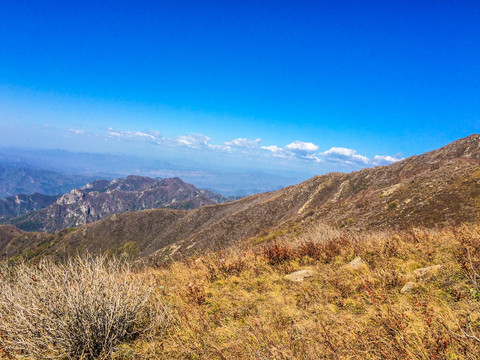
(77,310)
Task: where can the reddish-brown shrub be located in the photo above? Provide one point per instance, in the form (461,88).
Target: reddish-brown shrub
(309,249)
(277,253)
(196,293)
(331,249)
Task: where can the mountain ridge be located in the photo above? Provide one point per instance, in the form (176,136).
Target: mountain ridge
(441,187)
(20,204)
(19,179)
(102,198)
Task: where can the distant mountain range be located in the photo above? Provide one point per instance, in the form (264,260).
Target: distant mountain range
(92,166)
(20,204)
(18,179)
(438,188)
(101,198)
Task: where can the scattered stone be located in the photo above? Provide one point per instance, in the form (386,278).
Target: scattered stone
(299,275)
(357,263)
(426,271)
(409,287)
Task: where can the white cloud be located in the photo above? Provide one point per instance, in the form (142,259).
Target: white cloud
(82,133)
(276,151)
(385,159)
(77,131)
(220,147)
(294,151)
(153,136)
(243,143)
(272,148)
(194,141)
(143,135)
(155,133)
(114,133)
(349,156)
(301,148)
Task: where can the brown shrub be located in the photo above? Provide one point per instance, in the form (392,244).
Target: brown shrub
(330,250)
(196,293)
(224,265)
(278,253)
(310,249)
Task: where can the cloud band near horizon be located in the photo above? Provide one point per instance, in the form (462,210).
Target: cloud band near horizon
(294,151)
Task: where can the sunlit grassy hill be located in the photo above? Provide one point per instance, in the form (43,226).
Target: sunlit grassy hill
(410,294)
(239,305)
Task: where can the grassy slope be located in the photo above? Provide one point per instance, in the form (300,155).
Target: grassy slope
(238,305)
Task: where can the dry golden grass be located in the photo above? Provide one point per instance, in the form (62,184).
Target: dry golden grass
(236,304)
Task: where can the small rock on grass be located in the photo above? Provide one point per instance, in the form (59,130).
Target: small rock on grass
(299,275)
(426,271)
(409,287)
(357,263)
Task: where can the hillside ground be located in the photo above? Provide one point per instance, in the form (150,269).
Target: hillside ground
(237,304)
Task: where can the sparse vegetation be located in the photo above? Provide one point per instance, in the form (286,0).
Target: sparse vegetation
(392,205)
(130,249)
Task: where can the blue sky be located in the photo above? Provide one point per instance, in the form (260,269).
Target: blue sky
(311,86)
